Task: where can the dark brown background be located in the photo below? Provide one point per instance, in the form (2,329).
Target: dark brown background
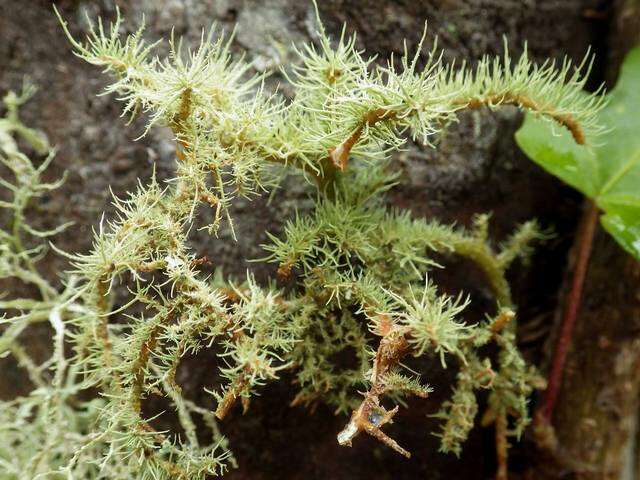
(477,168)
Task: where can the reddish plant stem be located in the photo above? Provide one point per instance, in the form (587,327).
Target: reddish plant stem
(584,242)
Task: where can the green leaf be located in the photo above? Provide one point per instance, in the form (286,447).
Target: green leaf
(608,172)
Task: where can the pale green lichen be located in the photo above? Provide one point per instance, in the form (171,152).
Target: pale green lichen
(136,304)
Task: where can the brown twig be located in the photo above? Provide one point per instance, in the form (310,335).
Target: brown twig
(505,317)
(339,155)
(139,368)
(370,416)
(565,120)
(231,395)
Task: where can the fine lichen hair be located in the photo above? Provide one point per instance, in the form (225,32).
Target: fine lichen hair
(352,274)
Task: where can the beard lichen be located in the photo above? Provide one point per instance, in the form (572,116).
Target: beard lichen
(356,272)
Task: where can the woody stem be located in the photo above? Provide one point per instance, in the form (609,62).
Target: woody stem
(583,244)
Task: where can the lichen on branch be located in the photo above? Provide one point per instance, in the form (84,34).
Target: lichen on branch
(354,274)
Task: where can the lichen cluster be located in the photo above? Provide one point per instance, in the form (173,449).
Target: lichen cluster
(352,275)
